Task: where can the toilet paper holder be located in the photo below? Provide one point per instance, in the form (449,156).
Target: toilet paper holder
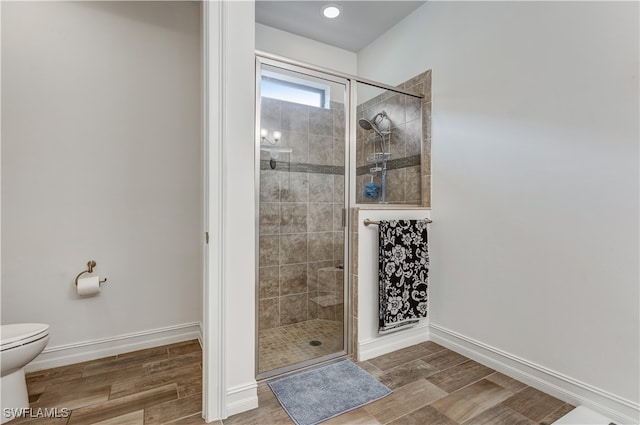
(90,265)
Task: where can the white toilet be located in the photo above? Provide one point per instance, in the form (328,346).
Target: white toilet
(20,343)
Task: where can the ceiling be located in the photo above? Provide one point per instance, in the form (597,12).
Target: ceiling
(359,24)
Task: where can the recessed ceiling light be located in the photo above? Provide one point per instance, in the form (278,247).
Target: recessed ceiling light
(330,11)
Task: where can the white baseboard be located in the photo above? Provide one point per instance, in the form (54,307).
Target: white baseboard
(384,344)
(200,335)
(242,398)
(551,382)
(63,355)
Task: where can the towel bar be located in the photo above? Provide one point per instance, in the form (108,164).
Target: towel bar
(368,222)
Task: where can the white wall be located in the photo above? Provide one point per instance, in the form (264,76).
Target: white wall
(534,246)
(238,216)
(101,159)
(303,49)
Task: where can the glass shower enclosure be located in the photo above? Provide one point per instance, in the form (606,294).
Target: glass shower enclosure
(301,137)
(324,141)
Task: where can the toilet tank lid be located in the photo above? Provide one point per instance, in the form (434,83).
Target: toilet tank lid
(18,331)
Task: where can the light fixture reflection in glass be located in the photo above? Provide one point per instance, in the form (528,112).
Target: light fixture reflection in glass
(330,11)
(264,136)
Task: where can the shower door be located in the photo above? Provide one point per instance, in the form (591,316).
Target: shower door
(301,157)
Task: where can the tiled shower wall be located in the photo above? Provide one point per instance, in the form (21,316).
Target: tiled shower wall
(300,214)
(419,84)
(409,179)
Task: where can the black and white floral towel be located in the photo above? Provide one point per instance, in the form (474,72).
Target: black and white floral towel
(402,270)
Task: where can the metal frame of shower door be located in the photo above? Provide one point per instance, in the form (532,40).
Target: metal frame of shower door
(333,73)
(282,63)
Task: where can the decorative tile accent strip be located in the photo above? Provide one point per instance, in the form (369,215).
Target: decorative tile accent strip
(297,167)
(394,164)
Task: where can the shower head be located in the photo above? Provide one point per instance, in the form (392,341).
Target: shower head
(365,123)
(373,123)
(368,125)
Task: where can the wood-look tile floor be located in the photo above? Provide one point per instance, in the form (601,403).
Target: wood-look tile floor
(154,386)
(431,386)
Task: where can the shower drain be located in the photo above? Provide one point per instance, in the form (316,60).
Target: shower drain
(315,343)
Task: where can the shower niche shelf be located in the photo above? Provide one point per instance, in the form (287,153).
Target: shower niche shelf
(327,300)
(378,157)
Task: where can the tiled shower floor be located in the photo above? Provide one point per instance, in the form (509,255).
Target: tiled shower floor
(286,345)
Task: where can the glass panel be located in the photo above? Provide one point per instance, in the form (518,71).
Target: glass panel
(301,236)
(388,147)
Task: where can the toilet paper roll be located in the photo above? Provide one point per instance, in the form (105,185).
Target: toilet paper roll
(89,285)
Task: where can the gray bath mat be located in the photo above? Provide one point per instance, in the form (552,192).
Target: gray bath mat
(315,395)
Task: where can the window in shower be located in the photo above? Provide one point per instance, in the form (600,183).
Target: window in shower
(301,233)
(295,90)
